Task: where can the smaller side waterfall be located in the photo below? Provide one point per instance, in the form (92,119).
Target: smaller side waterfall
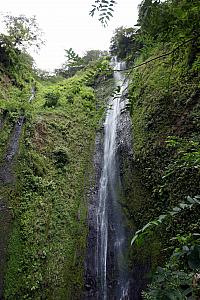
(112,274)
(6,172)
(14,141)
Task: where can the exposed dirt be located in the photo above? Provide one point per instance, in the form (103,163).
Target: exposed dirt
(40,133)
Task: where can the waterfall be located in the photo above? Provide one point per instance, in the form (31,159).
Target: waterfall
(112,278)
(13,146)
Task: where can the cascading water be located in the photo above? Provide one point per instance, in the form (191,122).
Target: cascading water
(112,274)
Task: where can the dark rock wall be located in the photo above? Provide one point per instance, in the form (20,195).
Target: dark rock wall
(90,289)
(133,195)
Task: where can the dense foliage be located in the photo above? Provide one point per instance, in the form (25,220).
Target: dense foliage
(15,63)
(45,256)
(164,105)
(46,194)
(75,63)
(43,187)
(125,44)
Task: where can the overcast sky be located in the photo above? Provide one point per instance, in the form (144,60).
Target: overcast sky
(66,23)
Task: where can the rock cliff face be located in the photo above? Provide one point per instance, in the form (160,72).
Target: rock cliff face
(124,140)
(132,191)
(90,291)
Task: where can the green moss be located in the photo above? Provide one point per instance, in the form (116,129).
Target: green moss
(15,252)
(53,169)
(165,102)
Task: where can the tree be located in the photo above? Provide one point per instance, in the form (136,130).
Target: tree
(182,19)
(73,59)
(75,62)
(125,43)
(93,55)
(22,32)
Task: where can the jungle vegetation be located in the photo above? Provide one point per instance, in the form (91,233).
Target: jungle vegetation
(43,205)
(46,196)
(163,64)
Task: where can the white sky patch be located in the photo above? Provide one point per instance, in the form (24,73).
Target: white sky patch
(67,24)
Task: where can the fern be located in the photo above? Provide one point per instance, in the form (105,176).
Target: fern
(148,229)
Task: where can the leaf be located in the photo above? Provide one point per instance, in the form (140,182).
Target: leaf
(172,213)
(162,217)
(147,226)
(183,205)
(155,222)
(187,291)
(140,239)
(109,13)
(196,200)
(176,209)
(133,239)
(196,234)
(190,199)
(160,269)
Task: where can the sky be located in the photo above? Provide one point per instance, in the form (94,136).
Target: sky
(67,24)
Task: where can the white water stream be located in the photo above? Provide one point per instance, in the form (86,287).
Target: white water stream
(110,230)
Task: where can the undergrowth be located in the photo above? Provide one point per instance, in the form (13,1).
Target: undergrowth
(47,243)
(164,105)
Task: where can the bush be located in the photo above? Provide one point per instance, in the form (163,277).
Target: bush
(51,99)
(87,94)
(61,156)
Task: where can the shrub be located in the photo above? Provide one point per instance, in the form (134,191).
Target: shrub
(61,156)
(51,99)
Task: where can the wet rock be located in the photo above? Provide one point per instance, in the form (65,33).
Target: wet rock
(6,174)
(90,287)
(14,140)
